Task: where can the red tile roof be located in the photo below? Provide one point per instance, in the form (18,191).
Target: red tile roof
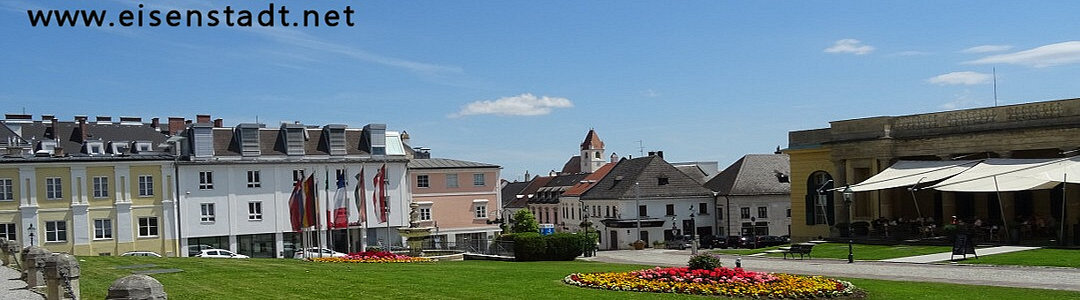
(589,181)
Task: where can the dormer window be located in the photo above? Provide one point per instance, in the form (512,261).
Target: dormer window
(95,148)
(294,138)
(335,139)
(47,145)
(142,146)
(119,147)
(661,181)
(248,137)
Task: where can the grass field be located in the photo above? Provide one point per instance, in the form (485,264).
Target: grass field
(1038,257)
(294,279)
(862,252)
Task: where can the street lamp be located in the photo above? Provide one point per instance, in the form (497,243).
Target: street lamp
(31,230)
(848,194)
(693,232)
(585,225)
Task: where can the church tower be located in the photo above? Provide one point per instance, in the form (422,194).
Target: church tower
(592,152)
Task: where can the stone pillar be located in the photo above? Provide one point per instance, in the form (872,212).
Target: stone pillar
(4,257)
(12,250)
(136,287)
(62,277)
(33,265)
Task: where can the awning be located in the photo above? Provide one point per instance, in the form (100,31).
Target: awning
(910,172)
(1009,175)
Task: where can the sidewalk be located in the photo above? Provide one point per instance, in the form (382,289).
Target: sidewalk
(939,257)
(11,288)
(1023,277)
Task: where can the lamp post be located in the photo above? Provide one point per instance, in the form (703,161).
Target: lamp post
(753,231)
(637,202)
(693,232)
(31,230)
(848,194)
(585,226)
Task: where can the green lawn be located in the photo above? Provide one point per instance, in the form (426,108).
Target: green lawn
(862,252)
(294,279)
(1038,257)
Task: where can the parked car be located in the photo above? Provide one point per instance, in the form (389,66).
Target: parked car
(141,253)
(679,242)
(707,241)
(193,250)
(314,252)
(770,240)
(219,253)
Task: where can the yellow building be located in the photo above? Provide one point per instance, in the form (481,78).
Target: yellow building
(87,188)
(824,161)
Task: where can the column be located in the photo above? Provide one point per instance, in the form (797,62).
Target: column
(28,206)
(80,223)
(279,245)
(169,223)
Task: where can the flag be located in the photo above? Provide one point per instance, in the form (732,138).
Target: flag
(359,194)
(380,193)
(296,205)
(309,213)
(341,203)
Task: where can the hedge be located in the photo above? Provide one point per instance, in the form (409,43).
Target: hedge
(531,246)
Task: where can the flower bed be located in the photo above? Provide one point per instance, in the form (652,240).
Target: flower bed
(720,281)
(372,257)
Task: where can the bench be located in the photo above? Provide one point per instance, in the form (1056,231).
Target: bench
(800,249)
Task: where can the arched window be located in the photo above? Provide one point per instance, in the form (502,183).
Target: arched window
(597,154)
(819,199)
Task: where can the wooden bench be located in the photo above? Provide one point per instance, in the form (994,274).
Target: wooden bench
(800,249)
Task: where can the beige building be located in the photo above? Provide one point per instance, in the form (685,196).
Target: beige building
(849,152)
(460,199)
(87,188)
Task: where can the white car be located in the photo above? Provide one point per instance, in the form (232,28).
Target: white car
(141,253)
(314,252)
(219,253)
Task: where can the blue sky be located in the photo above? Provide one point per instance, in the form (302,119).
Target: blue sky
(519,83)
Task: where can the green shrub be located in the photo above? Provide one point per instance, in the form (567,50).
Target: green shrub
(704,261)
(531,246)
(564,246)
(524,221)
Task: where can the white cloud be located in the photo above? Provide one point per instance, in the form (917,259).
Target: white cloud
(911,53)
(650,93)
(987,48)
(520,105)
(961,78)
(852,46)
(1044,56)
(964,100)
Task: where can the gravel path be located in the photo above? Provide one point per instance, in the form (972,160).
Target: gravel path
(1025,277)
(11,288)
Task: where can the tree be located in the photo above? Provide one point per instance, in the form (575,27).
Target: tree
(524,222)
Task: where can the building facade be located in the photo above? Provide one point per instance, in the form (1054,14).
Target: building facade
(85,187)
(235,184)
(851,151)
(460,199)
(753,196)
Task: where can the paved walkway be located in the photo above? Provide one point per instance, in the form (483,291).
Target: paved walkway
(11,288)
(939,257)
(1025,277)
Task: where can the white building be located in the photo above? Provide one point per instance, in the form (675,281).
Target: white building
(234,184)
(754,194)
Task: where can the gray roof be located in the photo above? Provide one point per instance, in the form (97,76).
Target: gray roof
(646,171)
(550,192)
(272,142)
(572,166)
(510,192)
(754,174)
(70,138)
(446,163)
(694,172)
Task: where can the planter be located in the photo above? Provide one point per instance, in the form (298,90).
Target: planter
(638,245)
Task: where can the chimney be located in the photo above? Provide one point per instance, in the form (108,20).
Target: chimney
(219,122)
(55,128)
(202,119)
(155,123)
(47,117)
(83,130)
(131,121)
(405,137)
(104,120)
(660,154)
(58,150)
(176,125)
(614,157)
(652,153)
(18,117)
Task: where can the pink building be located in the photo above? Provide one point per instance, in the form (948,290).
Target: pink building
(460,199)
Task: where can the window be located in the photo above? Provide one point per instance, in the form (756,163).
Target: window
(425,214)
(253,179)
(478,179)
(744,212)
(788,212)
(148,227)
(8,232)
(206,180)
(761,228)
(642,211)
(146,185)
(207,212)
(101,187)
(481,212)
(102,229)
(607,211)
(297,175)
(703,208)
(53,188)
(819,202)
(5,190)
(422,181)
(762,212)
(95,148)
(254,211)
(670,209)
(55,231)
(720,213)
(451,180)
(661,181)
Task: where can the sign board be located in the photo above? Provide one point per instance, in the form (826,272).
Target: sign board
(547,229)
(963,245)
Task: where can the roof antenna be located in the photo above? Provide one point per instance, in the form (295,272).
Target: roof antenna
(641,148)
(995,87)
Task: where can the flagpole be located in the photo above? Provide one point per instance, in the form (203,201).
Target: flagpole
(386,199)
(348,212)
(328,234)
